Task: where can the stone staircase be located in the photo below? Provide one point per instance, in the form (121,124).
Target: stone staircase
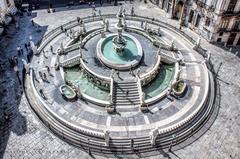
(126,94)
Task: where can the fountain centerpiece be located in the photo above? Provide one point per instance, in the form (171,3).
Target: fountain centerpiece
(119,41)
(119,50)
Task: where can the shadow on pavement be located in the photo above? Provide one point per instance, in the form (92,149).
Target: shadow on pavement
(12,118)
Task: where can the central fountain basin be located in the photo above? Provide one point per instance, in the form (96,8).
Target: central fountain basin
(130,56)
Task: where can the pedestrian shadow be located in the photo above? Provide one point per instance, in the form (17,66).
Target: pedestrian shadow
(12,97)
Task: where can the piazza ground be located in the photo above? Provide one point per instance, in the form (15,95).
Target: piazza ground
(25,136)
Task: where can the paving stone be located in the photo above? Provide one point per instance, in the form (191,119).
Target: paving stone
(35,141)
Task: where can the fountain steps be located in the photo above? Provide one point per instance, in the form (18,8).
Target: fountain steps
(126,94)
(130,91)
(127,87)
(128,99)
(124,97)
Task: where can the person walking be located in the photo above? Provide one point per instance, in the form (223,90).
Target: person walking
(26,46)
(18,51)
(32,22)
(21,50)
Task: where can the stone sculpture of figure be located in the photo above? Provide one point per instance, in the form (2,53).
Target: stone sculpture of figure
(141,24)
(57,61)
(94,13)
(79,93)
(99,12)
(120,12)
(80,21)
(70,32)
(112,73)
(124,22)
(80,52)
(106,137)
(61,48)
(198,42)
(159,31)
(83,28)
(132,11)
(145,25)
(106,27)
(80,42)
(143,99)
(159,50)
(138,72)
(104,21)
(81,32)
(103,34)
(208,56)
(124,12)
(153,136)
(172,44)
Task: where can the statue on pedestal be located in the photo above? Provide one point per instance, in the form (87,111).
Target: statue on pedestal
(153,135)
(106,137)
(145,26)
(106,26)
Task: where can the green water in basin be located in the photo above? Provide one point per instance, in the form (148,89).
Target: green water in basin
(77,77)
(68,92)
(160,83)
(130,52)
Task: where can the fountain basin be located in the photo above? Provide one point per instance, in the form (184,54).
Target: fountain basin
(108,55)
(68,92)
(179,88)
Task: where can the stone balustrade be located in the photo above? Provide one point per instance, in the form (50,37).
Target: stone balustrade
(150,74)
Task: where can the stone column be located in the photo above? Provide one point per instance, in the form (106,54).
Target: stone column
(172,8)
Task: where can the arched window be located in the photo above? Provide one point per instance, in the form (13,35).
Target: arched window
(237,25)
(231,5)
(190,16)
(207,22)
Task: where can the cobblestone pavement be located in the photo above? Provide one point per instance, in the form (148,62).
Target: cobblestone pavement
(23,136)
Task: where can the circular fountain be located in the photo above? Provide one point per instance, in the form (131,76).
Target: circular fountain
(119,54)
(119,50)
(109,106)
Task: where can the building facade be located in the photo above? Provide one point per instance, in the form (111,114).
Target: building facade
(218,21)
(7,7)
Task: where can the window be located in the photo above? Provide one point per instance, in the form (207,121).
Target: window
(219,40)
(237,25)
(207,22)
(190,16)
(224,24)
(198,20)
(232,5)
